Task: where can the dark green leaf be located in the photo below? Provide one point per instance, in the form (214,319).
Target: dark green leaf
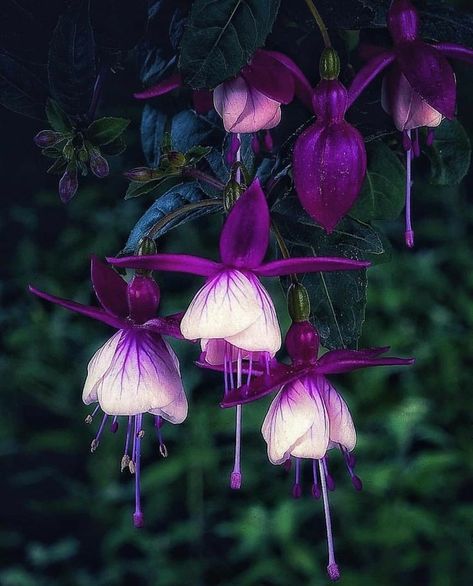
(57,118)
(116,147)
(189,129)
(51,152)
(153,124)
(106,130)
(175,198)
(58,167)
(71,63)
(442,22)
(219,40)
(196,154)
(138,188)
(450,154)
(21,89)
(382,195)
(338,299)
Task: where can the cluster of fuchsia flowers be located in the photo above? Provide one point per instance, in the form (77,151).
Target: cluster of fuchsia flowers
(232,316)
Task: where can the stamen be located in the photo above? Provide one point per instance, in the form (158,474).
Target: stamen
(328,477)
(132,465)
(138,519)
(91,416)
(235,477)
(406,140)
(287,465)
(409,232)
(430,137)
(350,462)
(332,568)
(95,442)
(266,360)
(126,458)
(231,154)
(316,492)
(250,368)
(162,446)
(416,143)
(114,426)
(297,488)
(238,160)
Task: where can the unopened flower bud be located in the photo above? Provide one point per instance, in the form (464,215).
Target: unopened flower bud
(68,184)
(146,246)
(231,193)
(139,174)
(47,138)
(298,303)
(329,65)
(176,159)
(98,164)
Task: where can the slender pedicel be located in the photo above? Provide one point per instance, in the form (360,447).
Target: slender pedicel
(332,568)
(328,476)
(409,233)
(114,425)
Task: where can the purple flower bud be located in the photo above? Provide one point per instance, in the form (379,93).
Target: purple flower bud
(403,21)
(329,158)
(98,165)
(302,343)
(47,138)
(68,185)
(143,298)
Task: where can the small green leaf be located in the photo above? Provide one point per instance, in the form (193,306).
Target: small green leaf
(218,42)
(338,299)
(196,154)
(450,154)
(114,148)
(138,188)
(58,167)
(105,130)
(382,195)
(57,118)
(52,152)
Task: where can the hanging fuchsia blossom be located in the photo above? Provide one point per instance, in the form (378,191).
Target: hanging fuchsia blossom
(329,160)
(232,313)
(135,371)
(252,100)
(419,89)
(308,416)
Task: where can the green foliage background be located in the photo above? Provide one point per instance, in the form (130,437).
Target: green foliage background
(66,514)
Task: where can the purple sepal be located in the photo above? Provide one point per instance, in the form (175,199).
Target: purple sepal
(143,298)
(430,75)
(92,312)
(110,289)
(280,374)
(403,21)
(183,263)
(367,73)
(245,235)
(166,326)
(347,360)
(270,77)
(302,85)
(455,51)
(163,87)
(329,164)
(309,265)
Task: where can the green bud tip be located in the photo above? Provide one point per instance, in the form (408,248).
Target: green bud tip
(146,246)
(329,64)
(231,193)
(298,302)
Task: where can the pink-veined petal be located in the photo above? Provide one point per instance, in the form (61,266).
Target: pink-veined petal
(176,411)
(227,304)
(342,429)
(289,417)
(133,373)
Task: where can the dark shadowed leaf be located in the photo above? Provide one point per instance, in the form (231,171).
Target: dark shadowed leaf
(21,89)
(450,154)
(139,188)
(119,24)
(57,118)
(116,147)
(189,129)
(107,129)
(338,299)
(382,195)
(71,64)
(153,124)
(440,21)
(220,39)
(175,198)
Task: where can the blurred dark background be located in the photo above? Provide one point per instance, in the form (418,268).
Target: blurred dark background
(66,514)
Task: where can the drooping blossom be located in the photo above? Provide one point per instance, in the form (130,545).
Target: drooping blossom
(252,100)
(135,371)
(232,314)
(308,416)
(419,88)
(329,159)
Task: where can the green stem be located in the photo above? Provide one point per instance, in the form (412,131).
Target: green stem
(283,247)
(320,22)
(200,175)
(181,211)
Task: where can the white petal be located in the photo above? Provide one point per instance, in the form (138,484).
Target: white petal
(289,417)
(216,351)
(141,376)
(98,365)
(226,305)
(342,429)
(264,335)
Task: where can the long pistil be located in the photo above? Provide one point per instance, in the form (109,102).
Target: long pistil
(332,567)
(409,232)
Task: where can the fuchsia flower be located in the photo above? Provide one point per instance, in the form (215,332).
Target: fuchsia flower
(308,416)
(419,88)
(252,100)
(135,371)
(329,160)
(232,313)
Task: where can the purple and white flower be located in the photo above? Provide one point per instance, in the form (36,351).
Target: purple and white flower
(135,371)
